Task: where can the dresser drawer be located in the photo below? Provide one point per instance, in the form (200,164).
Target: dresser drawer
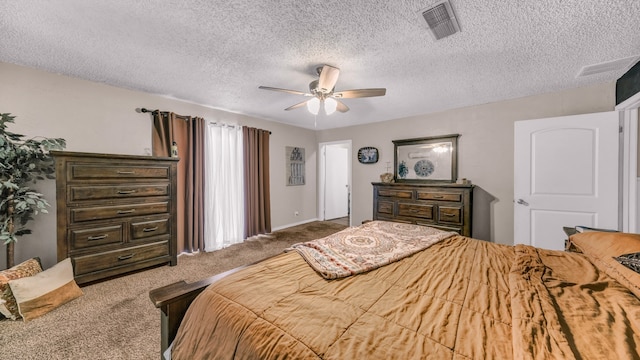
(450,214)
(145,229)
(84,238)
(416,210)
(78,193)
(385,207)
(110,259)
(79,171)
(110,212)
(401,194)
(439,196)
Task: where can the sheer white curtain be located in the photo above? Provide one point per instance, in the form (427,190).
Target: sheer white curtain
(224,184)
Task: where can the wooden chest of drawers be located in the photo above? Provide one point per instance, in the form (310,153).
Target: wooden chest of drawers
(115,213)
(443,206)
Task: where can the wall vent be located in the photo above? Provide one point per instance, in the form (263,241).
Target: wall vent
(614,65)
(441,19)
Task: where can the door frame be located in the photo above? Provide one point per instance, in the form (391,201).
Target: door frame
(628,163)
(322,163)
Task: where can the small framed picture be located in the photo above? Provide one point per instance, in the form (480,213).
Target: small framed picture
(368,155)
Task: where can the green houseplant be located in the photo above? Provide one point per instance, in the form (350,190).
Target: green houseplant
(22,162)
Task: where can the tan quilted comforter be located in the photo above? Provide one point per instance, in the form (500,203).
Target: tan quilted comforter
(459,299)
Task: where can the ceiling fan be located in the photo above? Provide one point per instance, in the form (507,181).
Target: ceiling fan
(322,92)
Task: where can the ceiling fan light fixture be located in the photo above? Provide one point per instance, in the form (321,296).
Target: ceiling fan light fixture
(313,105)
(330,106)
(321,92)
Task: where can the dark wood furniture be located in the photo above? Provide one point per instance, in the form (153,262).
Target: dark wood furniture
(115,213)
(173,300)
(444,206)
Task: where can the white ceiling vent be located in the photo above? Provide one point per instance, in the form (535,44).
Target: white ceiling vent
(441,19)
(619,64)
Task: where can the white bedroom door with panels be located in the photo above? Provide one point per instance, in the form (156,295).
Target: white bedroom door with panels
(566,174)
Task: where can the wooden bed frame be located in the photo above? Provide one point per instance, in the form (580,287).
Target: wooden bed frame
(173,300)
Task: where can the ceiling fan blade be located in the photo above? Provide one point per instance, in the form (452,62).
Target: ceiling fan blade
(297,106)
(328,78)
(295,92)
(342,107)
(360,93)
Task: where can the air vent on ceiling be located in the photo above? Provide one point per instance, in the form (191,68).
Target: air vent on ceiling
(441,19)
(620,64)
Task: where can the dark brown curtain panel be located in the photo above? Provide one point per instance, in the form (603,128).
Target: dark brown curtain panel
(194,237)
(188,133)
(256,181)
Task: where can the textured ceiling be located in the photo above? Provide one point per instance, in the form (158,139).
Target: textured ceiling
(217,53)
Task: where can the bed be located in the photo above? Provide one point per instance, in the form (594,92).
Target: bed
(452,298)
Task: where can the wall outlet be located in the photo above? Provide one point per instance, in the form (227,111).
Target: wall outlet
(296,213)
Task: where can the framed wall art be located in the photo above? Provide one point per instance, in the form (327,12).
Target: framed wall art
(295,165)
(368,155)
(428,159)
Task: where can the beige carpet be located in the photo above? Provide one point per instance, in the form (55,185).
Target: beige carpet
(116,320)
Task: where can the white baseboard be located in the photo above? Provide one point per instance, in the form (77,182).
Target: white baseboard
(294,224)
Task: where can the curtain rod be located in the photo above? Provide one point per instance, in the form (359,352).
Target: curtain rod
(215,123)
(145,110)
(221,124)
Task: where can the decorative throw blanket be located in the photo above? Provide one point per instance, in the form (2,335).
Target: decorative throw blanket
(369,246)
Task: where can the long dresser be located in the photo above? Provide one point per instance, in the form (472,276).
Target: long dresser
(115,213)
(444,206)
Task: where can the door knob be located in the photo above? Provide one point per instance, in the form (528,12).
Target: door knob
(522,202)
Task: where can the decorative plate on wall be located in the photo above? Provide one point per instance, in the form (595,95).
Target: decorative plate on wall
(368,155)
(423,168)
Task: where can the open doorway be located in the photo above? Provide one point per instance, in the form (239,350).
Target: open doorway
(334,182)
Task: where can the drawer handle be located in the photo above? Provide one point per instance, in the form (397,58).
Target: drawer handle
(446,214)
(126,192)
(150,229)
(97,237)
(121,172)
(125,257)
(438,197)
(126,211)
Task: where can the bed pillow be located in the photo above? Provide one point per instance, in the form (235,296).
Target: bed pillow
(632,261)
(45,291)
(602,249)
(8,306)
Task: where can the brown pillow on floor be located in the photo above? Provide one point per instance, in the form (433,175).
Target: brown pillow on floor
(38,294)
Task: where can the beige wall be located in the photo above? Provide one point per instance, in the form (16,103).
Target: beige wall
(94,117)
(485,149)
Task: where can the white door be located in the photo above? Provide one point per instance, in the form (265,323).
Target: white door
(566,174)
(336,182)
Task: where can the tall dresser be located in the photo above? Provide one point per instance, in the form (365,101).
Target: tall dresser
(115,213)
(444,206)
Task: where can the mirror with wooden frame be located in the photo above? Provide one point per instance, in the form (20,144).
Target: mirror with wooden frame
(427,159)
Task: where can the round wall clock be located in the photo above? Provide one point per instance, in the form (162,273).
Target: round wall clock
(368,155)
